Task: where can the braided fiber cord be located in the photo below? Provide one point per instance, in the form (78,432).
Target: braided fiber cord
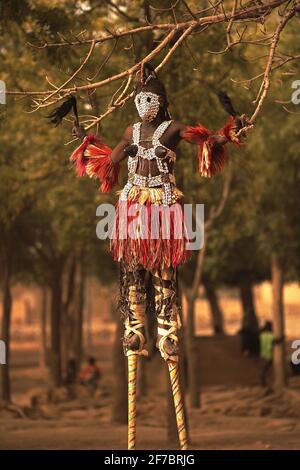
(132,304)
(166,303)
(132,380)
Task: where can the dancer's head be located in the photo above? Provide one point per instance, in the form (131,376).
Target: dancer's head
(150,95)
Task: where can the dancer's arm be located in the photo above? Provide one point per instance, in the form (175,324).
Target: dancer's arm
(212,154)
(95,159)
(120,152)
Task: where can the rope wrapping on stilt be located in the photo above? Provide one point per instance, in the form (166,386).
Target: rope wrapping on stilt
(168,319)
(132,378)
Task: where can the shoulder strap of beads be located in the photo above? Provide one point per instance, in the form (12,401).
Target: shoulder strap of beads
(159,131)
(136,133)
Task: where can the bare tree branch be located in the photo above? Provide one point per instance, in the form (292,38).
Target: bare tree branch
(241,14)
(268,71)
(176,35)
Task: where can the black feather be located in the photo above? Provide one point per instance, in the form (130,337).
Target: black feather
(149,70)
(61,111)
(227,104)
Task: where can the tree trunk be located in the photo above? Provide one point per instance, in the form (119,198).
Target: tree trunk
(120,405)
(191,346)
(56,312)
(68,315)
(250,327)
(247,299)
(78,320)
(191,353)
(192,294)
(5,390)
(215,308)
(43,328)
(280,378)
(89,322)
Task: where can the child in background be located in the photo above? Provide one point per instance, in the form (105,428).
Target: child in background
(90,375)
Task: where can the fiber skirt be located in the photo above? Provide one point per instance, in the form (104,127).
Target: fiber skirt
(147,233)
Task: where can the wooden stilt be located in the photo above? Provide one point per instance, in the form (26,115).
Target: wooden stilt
(132,379)
(178,403)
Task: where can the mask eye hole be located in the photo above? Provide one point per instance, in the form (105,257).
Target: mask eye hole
(148,99)
(139,100)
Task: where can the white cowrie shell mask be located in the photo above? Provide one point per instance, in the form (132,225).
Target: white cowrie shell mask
(147,105)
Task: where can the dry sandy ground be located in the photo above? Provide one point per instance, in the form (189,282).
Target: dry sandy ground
(86,430)
(231,417)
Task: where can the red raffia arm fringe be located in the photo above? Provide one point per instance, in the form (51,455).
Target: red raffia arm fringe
(212,156)
(93,158)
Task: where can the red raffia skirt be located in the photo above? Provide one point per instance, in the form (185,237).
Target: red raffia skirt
(147,233)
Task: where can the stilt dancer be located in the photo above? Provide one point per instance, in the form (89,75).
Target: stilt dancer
(149,237)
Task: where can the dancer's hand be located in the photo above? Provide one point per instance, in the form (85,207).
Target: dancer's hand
(78,131)
(241,122)
(131,150)
(220,139)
